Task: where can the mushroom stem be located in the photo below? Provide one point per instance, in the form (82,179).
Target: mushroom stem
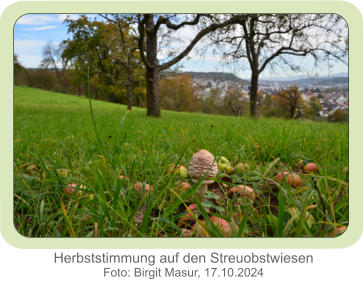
(203,189)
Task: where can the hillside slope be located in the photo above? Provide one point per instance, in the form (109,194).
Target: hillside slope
(67,170)
(276,137)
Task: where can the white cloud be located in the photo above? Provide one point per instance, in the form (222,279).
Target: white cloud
(30,61)
(36,19)
(44,19)
(62,17)
(29,52)
(38,28)
(26,45)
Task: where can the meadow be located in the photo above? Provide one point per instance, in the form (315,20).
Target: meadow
(60,140)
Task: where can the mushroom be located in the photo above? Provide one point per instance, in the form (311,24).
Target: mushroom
(203,162)
(186,232)
(223,225)
(242,190)
(337,231)
(188,218)
(200,230)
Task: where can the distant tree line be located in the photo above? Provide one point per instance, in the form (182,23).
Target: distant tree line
(122,54)
(178,93)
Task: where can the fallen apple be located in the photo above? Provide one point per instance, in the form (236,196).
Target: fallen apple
(241,166)
(139,187)
(292,179)
(225,165)
(71,189)
(310,167)
(179,170)
(183,185)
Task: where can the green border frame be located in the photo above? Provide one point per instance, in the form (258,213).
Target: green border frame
(349,12)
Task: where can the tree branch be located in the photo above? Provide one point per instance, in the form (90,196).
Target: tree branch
(173,26)
(141,24)
(199,36)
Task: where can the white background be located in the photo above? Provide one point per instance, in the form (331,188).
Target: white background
(33,270)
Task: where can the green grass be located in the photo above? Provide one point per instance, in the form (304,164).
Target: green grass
(55,144)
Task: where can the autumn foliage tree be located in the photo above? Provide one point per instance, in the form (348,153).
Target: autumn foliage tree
(312,108)
(109,49)
(233,101)
(290,101)
(123,47)
(21,75)
(177,92)
(338,116)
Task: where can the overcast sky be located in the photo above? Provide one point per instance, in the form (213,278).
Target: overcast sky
(33,31)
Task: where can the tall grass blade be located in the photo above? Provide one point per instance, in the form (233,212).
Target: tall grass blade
(70,229)
(98,138)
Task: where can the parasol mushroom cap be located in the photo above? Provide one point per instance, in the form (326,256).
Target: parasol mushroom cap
(223,225)
(203,162)
(243,190)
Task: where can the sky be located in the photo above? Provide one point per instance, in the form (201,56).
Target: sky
(33,31)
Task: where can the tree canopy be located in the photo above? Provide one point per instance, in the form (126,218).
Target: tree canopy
(270,39)
(108,49)
(127,54)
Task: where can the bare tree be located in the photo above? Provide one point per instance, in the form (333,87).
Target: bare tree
(149,27)
(270,39)
(52,58)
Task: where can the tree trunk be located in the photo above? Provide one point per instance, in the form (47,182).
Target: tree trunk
(292,110)
(254,93)
(152,77)
(293,102)
(58,75)
(152,73)
(29,79)
(130,89)
(137,99)
(64,88)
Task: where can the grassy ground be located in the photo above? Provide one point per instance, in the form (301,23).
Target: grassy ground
(56,144)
